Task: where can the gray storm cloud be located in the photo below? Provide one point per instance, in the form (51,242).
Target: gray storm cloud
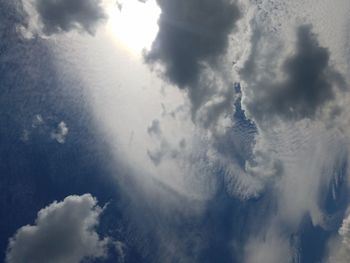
(192,35)
(310,81)
(63,232)
(56,16)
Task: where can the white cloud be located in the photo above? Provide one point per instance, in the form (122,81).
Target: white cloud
(60,133)
(64,232)
(45,126)
(339,246)
(37,121)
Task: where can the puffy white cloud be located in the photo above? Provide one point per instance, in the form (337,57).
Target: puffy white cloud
(339,245)
(64,232)
(60,133)
(45,126)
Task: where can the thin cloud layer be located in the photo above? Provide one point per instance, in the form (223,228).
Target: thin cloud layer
(192,35)
(57,16)
(64,232)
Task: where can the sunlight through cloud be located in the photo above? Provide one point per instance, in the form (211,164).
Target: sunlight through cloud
(134,24)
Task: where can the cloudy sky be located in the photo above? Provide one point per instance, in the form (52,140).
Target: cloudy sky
(174,131)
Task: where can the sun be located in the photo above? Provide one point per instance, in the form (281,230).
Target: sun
(134,23)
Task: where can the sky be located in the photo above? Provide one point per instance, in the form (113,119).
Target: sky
(174,131)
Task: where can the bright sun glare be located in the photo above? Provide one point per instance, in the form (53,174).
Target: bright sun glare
(134,23)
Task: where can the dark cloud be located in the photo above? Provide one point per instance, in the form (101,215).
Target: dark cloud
(155,129)
(310,82)
(192,36)
(64,15)
(191,32)
(311,79)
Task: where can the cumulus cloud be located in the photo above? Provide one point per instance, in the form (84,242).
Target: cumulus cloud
(47,127)
(60,133)
(56,16)
(310,77)
(309,83)
(192,36)
(191,33)
(64,232)
(339,246)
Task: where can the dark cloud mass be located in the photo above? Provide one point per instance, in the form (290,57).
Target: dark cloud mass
(310,82)
(191,32)
(65,15)
(192,35)
(155,128)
